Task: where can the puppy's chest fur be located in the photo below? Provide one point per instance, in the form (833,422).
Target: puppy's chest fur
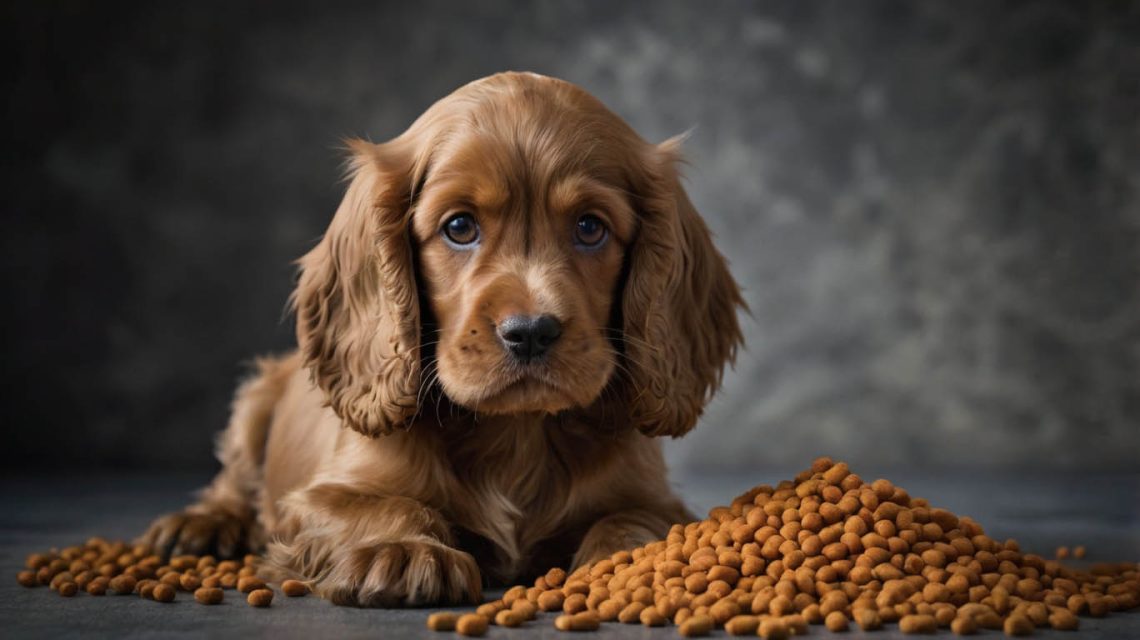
(513,477)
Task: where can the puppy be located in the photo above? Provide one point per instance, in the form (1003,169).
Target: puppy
(513,300)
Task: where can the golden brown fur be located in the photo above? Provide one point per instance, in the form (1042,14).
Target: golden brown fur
(460,466)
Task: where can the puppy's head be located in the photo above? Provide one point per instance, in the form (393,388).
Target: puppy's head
(556,249)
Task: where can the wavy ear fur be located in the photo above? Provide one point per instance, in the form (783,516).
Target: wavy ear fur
(357,310)
(679,305)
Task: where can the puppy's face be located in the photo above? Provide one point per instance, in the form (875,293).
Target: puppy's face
(519,205)
(521,231)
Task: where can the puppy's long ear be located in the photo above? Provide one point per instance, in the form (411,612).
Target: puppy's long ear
(357,310)
(679,305)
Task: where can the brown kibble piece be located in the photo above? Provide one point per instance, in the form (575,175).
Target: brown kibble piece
(835,621)
(745,625)
(442,621)
(145,588)
(555,577)
(123,584)
(1063,620)
(249,584)
(868,619)
(68,589)
(189,582)
(1018,625)
(489,609)
(696,625)
(260,598)
(294,588)
(509,618)
(162,593)
(528,610)
(27,579)
(209,595)
(471,624)
(584,621)
(775,629)
(97,587)
(551,600)
(1079,551)
(60,578)
(964,626)
(651,617)
(918,624)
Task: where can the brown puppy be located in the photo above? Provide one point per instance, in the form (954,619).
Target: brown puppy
(513,298)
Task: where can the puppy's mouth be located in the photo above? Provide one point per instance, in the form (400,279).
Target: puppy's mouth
(530,387)
(500,384)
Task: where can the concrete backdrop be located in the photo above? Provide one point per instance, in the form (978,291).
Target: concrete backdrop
(934,207)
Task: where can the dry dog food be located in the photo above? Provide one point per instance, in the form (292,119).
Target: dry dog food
(260,597)
(294,588)
(825,549)
(209,595)
(442,621)
(99,567)
(471,624)
(828,548)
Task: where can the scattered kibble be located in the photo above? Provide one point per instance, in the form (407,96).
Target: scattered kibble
(964,626)
(442,621)
(260,598)
(1018,625)
(249,584)
(209,595)
(509,618)
(775,629)
(583,621)
(918,624)
(696,625)
(835,621)
(471,624)
(123,584)
(162,593)
(294,588)
(97,587)
(146,588)
(824,549)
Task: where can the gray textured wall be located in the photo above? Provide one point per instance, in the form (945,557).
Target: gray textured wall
(934,207)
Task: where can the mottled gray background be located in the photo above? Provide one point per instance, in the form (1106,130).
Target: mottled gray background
(934,207)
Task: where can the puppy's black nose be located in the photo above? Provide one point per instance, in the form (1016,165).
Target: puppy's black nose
(529,337)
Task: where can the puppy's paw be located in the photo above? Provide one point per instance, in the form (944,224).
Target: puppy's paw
(187,532)
(401,573)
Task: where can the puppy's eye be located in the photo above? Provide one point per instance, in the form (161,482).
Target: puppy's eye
(590,231)
(461,229)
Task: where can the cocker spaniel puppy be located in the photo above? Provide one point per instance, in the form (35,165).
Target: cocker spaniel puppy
(513,300)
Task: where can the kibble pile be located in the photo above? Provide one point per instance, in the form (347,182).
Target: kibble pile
(826,548)
(100,568)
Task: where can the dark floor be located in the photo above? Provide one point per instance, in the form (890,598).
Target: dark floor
(1041,510)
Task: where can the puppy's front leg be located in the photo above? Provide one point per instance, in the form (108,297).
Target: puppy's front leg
(372,550)
(625,530)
